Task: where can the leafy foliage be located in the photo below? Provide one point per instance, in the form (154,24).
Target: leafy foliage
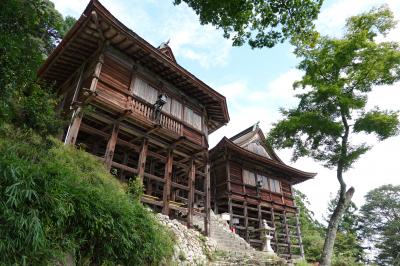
(381,222)
(338,75)
(260,23)
(29,32)
(312,231)
(56,200)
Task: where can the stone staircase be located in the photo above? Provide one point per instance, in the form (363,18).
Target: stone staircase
(248,258)
(231,249)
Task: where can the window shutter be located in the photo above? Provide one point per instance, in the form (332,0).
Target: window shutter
(145,91)
(176,109)
(197,121)
(249,178)
(188,115)
(167,106)
(265,182)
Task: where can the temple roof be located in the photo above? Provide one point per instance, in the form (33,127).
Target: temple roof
(251,144)
(97,26)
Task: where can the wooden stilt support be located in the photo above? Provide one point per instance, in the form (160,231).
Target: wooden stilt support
(287,233)
(246,222)
(207,201)
(275,231)
(73,128)
(167,183)
(124,162)
(192,176)
(142,159)
(228,183)
(149,189)
(299,233)
(230,211)
(111,146)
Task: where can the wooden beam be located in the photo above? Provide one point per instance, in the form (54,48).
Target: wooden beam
(167,183)
(74,126)
(191,181)
(287,234)
(275,231)
(111,146)
(299,234)
(207,201)
(246,222)
(96,74)
(142,159)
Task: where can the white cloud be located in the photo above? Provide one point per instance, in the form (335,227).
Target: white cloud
(332,18)
(189,39)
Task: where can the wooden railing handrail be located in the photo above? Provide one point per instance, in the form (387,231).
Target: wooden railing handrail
(142,101)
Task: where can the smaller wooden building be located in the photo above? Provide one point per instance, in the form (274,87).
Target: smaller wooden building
(251,183)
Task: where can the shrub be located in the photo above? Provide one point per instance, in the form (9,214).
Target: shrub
(56,200)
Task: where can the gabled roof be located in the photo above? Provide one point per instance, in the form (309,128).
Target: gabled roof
(167,51)
(238,145)
(253,139)
(97,25)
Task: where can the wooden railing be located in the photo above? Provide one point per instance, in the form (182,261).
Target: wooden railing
(147,110)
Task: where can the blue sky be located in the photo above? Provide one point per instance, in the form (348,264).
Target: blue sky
(258,82)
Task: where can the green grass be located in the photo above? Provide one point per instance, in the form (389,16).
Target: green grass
(56,200)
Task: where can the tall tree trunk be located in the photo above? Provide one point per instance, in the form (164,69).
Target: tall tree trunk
(344,198)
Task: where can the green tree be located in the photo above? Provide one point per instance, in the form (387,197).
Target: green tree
(311,230)
(338,75)
(260,23)
(381,222)
(30,29)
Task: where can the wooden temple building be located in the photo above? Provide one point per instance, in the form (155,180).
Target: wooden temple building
(251,183)
(135,108)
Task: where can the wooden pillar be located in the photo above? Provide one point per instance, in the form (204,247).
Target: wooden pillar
(299,234)
(96,74)
(207,200)
(191,181)
(260,223)
(228,187)
(230,211)
(167,183)
(246,221)
(112,141)
(73,128)
(149,189)
(275,231)
(142,159)
(287,234)
(124,162)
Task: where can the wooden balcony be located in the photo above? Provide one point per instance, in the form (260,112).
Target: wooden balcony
(141,113)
